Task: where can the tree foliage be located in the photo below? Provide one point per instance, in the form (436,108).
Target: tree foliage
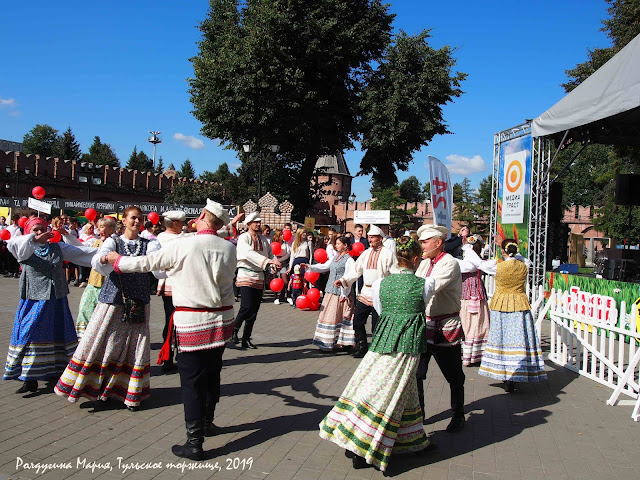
(67,147)
(139,161)
(101,154)
(306,75)
(41,140)
(186,170)
(390,199)
(411,190)
(159,166)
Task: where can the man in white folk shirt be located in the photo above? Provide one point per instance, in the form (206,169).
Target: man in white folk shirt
(254,256)
(444,328)
(376,262)
(201,269)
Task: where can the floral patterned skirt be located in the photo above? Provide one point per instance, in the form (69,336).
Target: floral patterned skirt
(379,412)
(112,360)
(513,352)
(335,323)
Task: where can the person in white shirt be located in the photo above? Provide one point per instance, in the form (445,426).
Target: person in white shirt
(12,265)
(444,327)
(201,269)
(254,256)
(376,262)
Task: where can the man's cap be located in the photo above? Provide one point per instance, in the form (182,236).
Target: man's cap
(252,217)
(218,210)
(425,232)
(175,215)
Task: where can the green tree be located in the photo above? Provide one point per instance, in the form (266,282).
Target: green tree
(411,190)
(390,199)
(139,161)
(457,192)
(186,170)
(229,187)
(67,147)
(159,166)
(465,205)
(101,154)
(42,140)
(426,190)
(303,69)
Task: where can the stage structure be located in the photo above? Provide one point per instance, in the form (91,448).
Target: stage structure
(520,197)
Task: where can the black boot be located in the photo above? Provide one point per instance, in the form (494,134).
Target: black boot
(192,449)
(210,429)
(234,337)
(359,462)
(28,386)
(457,407)
(362,347)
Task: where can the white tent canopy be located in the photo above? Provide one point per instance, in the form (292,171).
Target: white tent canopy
(605,108)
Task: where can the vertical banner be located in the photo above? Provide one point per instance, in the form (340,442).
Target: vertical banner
(441,193)
(514,191)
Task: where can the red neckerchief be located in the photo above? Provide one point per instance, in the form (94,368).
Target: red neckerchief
(433,263)
(207,231)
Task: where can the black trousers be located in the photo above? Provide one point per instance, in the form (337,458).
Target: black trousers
(250,300)
(449,359)
(168,311)
(362,314)
(200,382)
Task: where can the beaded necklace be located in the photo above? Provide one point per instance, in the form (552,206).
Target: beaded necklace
(128,251)
(42,251)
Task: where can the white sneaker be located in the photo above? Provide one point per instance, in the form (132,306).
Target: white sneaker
(276,301)
(290,301)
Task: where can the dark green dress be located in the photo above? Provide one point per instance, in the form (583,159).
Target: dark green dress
(402,324)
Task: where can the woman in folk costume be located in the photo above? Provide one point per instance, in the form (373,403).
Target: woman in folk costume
(513,351)
(113,358)
(335,324)
(43,335)
(105,226)
(474,308)
(379,414)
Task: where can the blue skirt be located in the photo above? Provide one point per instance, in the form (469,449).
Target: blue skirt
(43,340)
(512,351)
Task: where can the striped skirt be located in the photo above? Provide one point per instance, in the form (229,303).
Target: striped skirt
(88,304)
(112,360)
(476,330)
(335,323)
(513,351)
(379,413)
(42,341)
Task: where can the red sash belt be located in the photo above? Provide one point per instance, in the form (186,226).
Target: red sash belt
(165,351)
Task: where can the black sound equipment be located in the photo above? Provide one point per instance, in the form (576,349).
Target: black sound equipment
(626,193)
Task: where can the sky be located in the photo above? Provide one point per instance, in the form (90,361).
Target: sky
(119,69)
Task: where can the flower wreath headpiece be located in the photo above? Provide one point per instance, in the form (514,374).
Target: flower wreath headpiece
(406,246)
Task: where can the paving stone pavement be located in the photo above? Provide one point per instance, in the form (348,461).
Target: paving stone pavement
(272,401)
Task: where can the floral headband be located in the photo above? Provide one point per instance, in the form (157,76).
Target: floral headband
(509,244)
(473,239)
(406,246)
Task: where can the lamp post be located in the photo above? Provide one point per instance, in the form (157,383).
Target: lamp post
(155,139)
(11,174)
(248,149)
(351,198)
(86,177)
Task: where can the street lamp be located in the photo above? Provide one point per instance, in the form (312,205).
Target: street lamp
(87,178)
(247,149)
(351,198)
(11,174)
(155,139)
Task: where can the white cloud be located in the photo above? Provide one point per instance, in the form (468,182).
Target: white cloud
(235,166)
(457,164)
(189,141)
(8,102)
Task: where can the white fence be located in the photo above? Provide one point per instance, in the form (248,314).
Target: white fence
(591,344)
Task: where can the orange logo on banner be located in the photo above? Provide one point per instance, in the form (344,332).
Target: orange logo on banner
(514,176)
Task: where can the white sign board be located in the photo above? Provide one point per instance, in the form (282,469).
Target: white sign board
(43,207)
(513,187)
(378,217)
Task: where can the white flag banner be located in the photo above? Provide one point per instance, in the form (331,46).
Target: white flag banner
(441,193)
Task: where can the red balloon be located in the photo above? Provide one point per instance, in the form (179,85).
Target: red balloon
(22,221)
(302,302)
(358,248)
(91,214)
(286,234)
(38,192)
(313,294)
(153,217)
(56,237)
(314,306)
(311,277)
(5,235)
(320,255)
(276,285)
(276,248)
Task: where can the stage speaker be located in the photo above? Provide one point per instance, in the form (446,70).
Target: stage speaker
(555,203)
(625,185)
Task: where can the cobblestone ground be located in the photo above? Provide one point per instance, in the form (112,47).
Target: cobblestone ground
(272,401)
